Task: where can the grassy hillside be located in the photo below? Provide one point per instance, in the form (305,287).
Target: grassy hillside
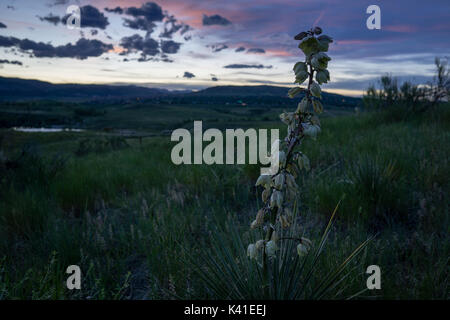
(135,222)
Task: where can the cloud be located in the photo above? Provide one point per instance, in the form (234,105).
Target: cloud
(60,2)
(240,49)
(2,26)
(215,20)
(218,47)
(139,24)
(170,47)
(51,18)
(90,17)
(188,75)
(150,11)
(172,26)
(147,46)
(11,62)
(144,17)
(256,50)
(117,10)
(82,49)
(247,66)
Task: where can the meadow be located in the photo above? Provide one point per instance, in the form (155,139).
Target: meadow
(140,227)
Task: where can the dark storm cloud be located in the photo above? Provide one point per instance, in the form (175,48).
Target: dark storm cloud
(144,18)
(11,62)
(136,43)
(150,11)
(171,26)
(215,20)
(170,47)
(247,66)
(51,18)
(188,75)
(91,17)
(256,50)
(139,24)
(82,49)
(240,49)
(117,10)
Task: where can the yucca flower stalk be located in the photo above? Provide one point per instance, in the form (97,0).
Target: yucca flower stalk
(280,189)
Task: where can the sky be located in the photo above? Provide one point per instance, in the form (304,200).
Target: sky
(193,44)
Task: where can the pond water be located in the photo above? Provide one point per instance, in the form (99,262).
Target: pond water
(28,129)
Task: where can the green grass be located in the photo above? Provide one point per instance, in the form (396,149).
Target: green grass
(140,227)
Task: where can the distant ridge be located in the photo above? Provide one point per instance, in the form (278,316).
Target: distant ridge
(245,91)
(21,89)
(18,89)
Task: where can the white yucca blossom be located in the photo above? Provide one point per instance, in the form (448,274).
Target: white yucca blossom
(259,244)
(271,248)
(251,251)
(302,250)
(315,90)
(287,117)
(310,130)
(263,180)
(276,200)
(279,181)
(302,106)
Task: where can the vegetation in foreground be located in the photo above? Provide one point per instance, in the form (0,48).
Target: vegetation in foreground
(138,225)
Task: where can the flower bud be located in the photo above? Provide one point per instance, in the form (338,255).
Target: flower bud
(300,36)
(320,61)
(301,77)
(300,66)
(315,90)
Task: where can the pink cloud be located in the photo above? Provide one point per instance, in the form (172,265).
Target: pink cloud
(404,28)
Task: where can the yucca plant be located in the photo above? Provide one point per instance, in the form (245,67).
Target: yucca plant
(281,264)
